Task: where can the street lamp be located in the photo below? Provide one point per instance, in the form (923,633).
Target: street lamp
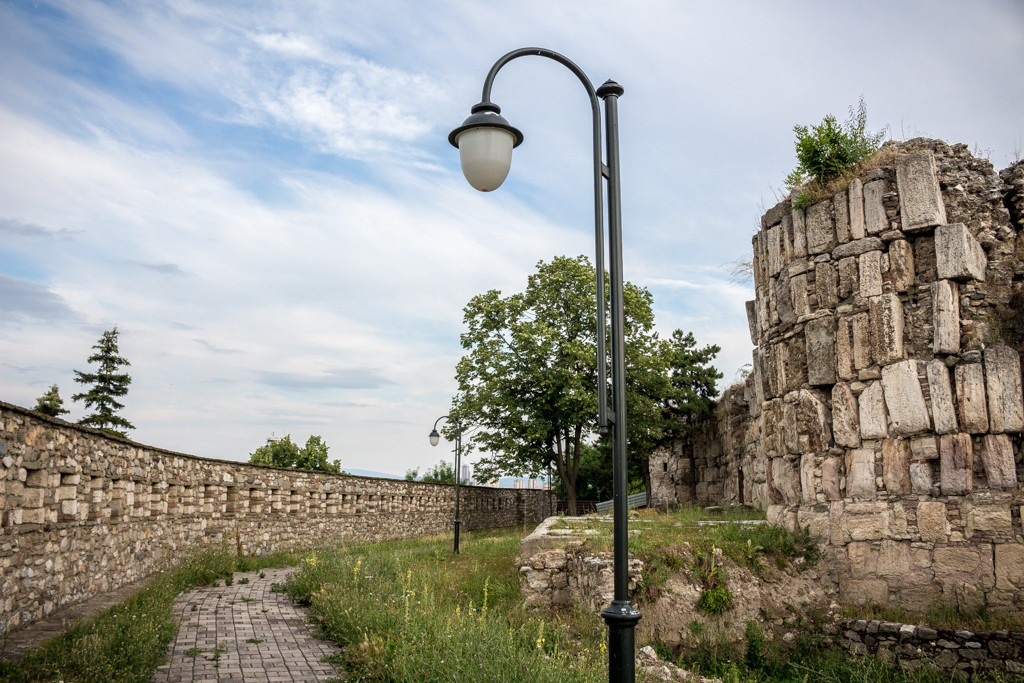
(434,438)
(485,141)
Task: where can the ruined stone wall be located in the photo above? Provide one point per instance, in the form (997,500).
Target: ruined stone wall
(886,408)
(82,513)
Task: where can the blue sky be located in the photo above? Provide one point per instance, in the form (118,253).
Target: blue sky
(261,195)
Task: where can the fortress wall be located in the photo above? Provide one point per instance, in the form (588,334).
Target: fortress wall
(885,407)
(82,513)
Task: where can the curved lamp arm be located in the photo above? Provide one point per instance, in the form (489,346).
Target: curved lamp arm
(487,114)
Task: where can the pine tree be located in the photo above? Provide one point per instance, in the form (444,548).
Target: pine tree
(107,384)
(51,403)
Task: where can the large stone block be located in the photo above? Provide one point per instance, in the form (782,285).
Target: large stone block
(921,204)
(904,399)
(831,478)
(921,478)
(994,519)
(845,424)
(870,268)
(1009,566)
(798,223)
(997,457)
(786,481)
(956,464)
(798,290)
(784,299)
(751,307)
(886,312)
(958,254)
(774,249)
(841,213)
(821,233)
(901,265)
(943,410)
(875,220)
(1003,389)
(896,466)
(857,247)
(871,408)
(807,423)
(860,473)
(931,522)
(848,279)
(820,337)
(825,285)
(856,192)
(945,317)
(970,393)
(807,492)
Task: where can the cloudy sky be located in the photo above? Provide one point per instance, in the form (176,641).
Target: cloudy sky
(261,196)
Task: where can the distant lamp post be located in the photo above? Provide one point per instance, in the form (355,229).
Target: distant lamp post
(435,437)
(485,141)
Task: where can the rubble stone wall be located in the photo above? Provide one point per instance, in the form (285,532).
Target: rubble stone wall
(885,409)
(82,513)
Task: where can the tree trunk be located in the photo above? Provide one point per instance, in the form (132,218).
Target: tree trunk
(645,467)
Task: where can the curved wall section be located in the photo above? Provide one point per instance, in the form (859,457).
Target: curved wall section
(84,513)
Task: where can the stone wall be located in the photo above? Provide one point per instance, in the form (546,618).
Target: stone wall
(84,513)
(885,409)
(556,571)
(913,647)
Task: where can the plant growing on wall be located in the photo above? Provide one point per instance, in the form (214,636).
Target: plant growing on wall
(107,386)
(829,150)
(51,403)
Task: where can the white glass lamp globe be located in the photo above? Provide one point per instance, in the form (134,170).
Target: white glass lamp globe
(434,437)
(485,141)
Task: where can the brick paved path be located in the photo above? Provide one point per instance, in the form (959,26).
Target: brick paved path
(262,637)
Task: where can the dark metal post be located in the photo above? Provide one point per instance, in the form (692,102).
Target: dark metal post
(620,616)
(458,476)
(434,436)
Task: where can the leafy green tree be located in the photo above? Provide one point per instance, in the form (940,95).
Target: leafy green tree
(441,473)
(528,381)
(286,453)
(51,403)
(107,386)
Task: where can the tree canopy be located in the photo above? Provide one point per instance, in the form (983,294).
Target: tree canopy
(51,403)
(528,381)
(107,386)
(441,473)
(286,453)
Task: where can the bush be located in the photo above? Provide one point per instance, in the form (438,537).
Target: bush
(830,150)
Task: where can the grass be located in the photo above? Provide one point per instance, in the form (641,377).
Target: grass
(413,611)
(128,641)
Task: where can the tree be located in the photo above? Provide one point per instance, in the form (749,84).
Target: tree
(107,385)
(286,453)
(51,403)
(529,379)
(441,473)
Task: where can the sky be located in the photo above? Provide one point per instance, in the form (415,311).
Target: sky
(262,198)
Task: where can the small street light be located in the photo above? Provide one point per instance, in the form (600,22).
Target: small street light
(435,437)
(485,141)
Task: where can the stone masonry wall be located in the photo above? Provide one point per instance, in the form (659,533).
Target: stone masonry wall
(82,513)
(885,407)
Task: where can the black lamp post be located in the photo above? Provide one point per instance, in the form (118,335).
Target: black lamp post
(485,141)
(434,438)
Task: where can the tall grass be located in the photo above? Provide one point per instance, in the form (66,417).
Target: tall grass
(413,611)
(130,640)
